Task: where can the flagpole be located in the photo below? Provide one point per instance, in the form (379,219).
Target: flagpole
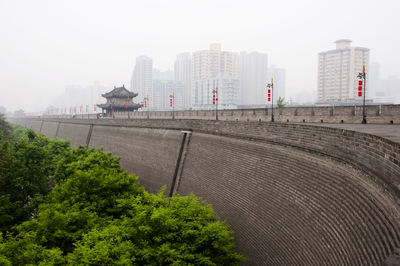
(364,114)
(216,99)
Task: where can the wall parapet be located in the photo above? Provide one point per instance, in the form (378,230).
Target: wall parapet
(377,114)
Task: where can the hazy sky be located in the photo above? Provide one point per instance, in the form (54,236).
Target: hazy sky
(45,45)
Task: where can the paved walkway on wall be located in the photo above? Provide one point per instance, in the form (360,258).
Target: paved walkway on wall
(391,132)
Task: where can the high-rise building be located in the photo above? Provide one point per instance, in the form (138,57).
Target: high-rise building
(209,63)
(142,78)
(228,92)
(338,70)
(183,73)
(163,75)
(253,72)
(279,75)
(162,91)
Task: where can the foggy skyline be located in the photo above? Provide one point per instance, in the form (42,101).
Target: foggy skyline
(47,45)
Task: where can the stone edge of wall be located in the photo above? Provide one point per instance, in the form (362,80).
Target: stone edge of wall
(385,154)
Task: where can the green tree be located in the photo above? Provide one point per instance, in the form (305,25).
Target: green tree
(26,169)
(159,231)
(97,214)
(280,102)
(5,128)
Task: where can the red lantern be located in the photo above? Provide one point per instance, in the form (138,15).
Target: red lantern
(360,93)
(269,91)
(145,104)
(111,106)
(269,99)
(170,102)
(359,88)
(126,105)
(213,98)
(360,82)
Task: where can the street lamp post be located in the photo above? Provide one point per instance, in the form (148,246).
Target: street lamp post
(270,87)
(172,104)
(362,75)
(126,105)
(215,101)
(146,100)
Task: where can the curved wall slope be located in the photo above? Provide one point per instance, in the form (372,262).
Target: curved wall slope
(290,207)
(35,125)
(294,194)
(77,134)
(49,129)
(149,153)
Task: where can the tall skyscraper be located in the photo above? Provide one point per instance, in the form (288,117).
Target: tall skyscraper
(338,70)
(207,64)
(183,74)
(142,78)
(253,72)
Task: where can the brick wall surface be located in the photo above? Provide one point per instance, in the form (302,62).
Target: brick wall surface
(34,125)
(293,193)
(149,153)
(291,207)
(381,114)
(75,133)
(49,129)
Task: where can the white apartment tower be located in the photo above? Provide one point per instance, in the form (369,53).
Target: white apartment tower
(183,74)
(338,70)
(207,65)
(142,78)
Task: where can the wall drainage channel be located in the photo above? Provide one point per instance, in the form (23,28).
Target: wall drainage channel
(89,136)
(41,125)
(179,163)
(58,128)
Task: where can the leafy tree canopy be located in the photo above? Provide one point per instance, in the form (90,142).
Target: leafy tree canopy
(77,206)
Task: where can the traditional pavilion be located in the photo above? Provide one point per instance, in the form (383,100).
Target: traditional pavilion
(119,100)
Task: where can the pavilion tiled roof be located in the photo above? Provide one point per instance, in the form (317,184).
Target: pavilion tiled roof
(120,92)
(131,106)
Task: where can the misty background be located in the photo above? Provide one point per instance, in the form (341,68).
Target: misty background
(48,46)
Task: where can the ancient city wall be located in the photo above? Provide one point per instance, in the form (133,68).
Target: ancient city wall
(293,193)
(379,114)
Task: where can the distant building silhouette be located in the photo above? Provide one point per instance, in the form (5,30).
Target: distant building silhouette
(228,92)
(383,90)
(183,73)
(279,75)
(253,74)
(142,78)
(162,90)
